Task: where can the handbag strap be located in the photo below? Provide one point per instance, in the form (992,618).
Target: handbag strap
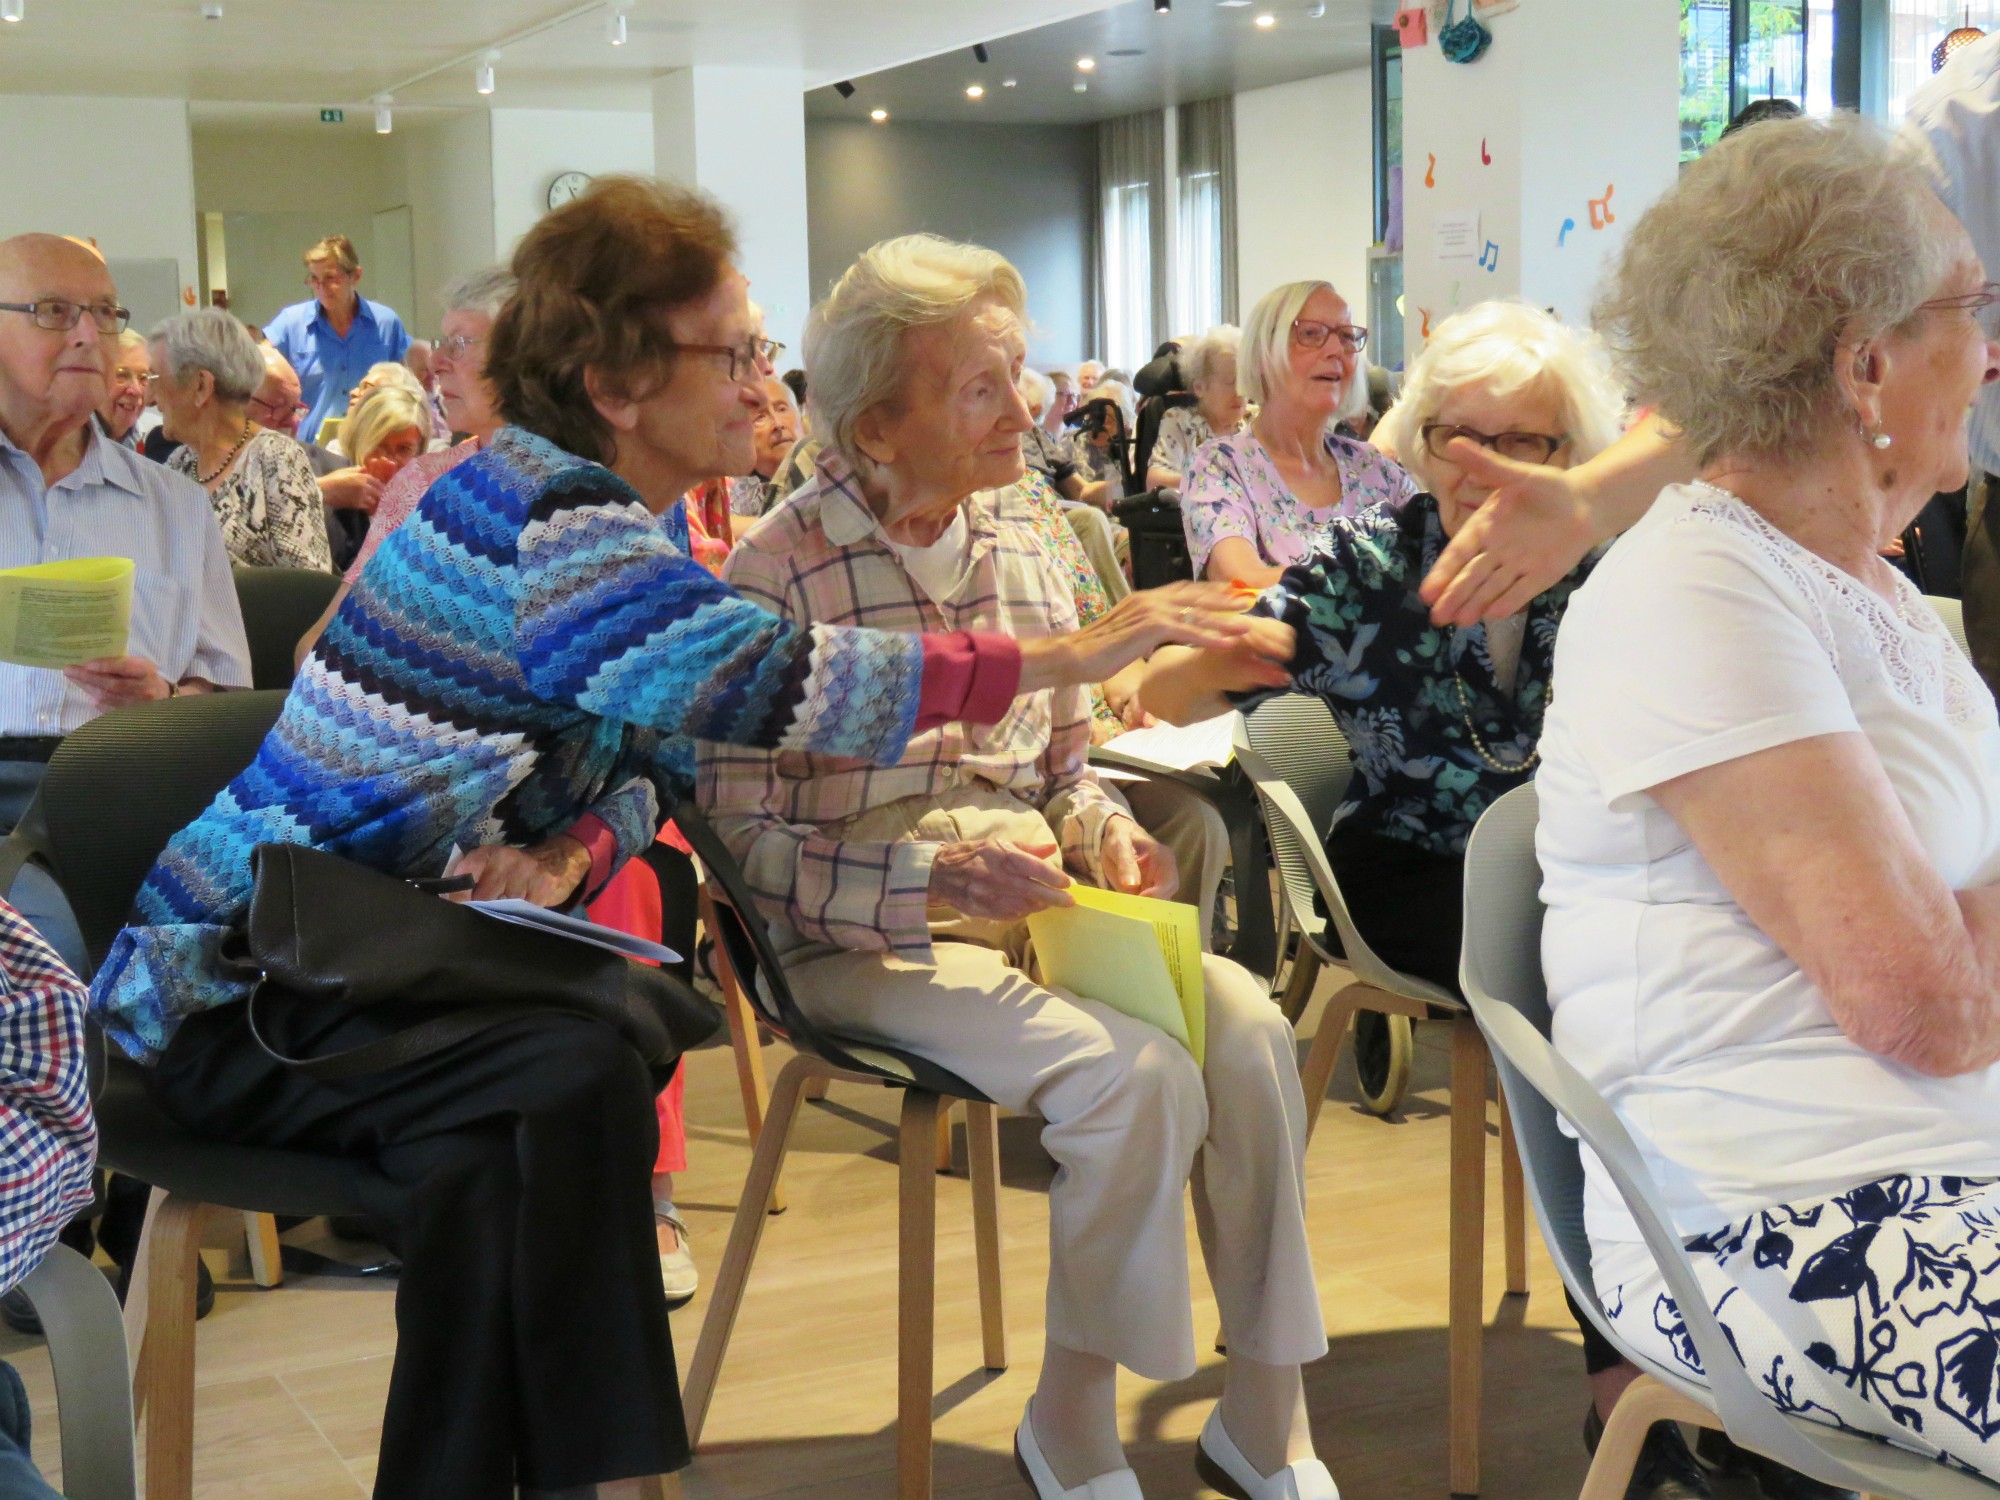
(412,1044)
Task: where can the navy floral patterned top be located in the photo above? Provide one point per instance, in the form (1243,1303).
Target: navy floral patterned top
(1366,645)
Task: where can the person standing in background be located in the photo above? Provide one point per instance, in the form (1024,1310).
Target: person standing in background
(334,338)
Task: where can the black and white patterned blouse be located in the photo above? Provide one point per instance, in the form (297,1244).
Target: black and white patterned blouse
(269,506)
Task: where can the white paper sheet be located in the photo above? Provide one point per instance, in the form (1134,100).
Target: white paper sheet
(1207,745)
(527,914)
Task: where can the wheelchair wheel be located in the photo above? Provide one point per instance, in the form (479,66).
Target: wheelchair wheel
(1382,1049)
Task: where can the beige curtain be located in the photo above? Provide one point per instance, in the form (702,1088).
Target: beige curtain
(1207,215)
(1132,226)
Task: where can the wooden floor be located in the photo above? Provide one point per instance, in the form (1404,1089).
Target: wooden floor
(292,1379)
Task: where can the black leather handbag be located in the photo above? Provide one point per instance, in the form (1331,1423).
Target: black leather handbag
(322,927)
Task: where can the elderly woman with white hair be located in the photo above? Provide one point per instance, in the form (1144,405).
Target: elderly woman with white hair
(899,896)
(1254,503)
(267,502)
(1208,364)
(1770,800)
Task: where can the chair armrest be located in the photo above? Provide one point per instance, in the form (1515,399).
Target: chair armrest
(86,1337)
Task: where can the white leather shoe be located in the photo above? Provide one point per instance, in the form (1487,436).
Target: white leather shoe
(1224,1468)
(1119,1484)
(677,1269)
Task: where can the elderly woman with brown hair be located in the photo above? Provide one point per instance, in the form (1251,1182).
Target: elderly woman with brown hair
(585,651)
(899,895)
(1770,799)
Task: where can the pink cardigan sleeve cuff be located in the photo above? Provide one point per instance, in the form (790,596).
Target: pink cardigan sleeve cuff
(970,676)
(595,835)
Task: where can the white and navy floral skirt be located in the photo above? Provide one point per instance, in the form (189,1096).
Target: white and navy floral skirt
(1876,1311)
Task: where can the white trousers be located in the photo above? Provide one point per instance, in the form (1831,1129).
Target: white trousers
(1130,1120)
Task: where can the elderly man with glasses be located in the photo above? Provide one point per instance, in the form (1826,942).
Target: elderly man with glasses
(67,491)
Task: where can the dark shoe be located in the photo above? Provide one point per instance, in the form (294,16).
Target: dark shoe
(204,1289)
(1774,1479)
(1666,1470)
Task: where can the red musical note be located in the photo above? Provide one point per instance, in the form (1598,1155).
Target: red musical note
(1425,331)
(1485,156)
(1600,209)
(1431,171)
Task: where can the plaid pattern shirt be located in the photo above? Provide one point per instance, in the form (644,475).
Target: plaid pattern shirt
(48,1137)
(821,557)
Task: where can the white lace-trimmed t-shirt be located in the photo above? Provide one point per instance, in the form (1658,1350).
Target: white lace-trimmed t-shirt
(1706,635)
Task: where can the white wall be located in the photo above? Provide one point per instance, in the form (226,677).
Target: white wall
(533,146)
(1305,186)
(446,176)
(119,171)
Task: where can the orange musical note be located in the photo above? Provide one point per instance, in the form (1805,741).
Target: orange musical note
(1600,209)
(1431,171)
(1425,331)
(1485,156)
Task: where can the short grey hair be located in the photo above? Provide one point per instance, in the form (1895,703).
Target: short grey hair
(1503,347)
(1200,356)
(214,341)
(486,290)
(1737,288)
(1267,336)
(1037,390)
(854,339)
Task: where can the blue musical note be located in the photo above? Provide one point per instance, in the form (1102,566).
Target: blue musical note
(1489,258)
(1563,233)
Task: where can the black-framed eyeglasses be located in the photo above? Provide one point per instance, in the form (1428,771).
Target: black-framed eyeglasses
(1984,305)
(754,358)
(457,346)
(1522,447)
(1310,333)
(59,315)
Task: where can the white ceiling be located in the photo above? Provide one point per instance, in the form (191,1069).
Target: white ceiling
(311,54)
(1198,50)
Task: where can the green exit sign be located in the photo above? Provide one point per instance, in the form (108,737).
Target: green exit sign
(332,116)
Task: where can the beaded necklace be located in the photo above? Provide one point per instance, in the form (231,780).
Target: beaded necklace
(223,468)
(1479,746)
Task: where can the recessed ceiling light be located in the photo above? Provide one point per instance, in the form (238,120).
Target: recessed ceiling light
(1085,64)
(1008,83)
(878,115)
(974,91)
(1267,20)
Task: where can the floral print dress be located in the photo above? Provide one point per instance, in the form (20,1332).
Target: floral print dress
(1233,488)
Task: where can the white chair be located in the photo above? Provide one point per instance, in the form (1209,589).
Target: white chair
(1311,747)
(86,1339)
(1502,975)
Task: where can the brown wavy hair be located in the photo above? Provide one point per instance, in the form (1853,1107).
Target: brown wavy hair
(596,280)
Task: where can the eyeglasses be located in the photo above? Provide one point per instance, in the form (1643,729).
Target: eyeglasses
(330,278)
(271,411)
(455,347)
(1310,333)
(1522,447)
(126,375)
(59,315)
(1984,305)
(758,356)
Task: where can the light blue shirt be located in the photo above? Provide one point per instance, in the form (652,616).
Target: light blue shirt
(330,366)
(185,619)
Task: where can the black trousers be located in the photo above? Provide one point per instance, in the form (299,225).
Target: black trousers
(532,1342)
(1409,903)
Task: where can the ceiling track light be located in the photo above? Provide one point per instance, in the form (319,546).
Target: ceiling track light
(1079,87)
(13,10)
(614,26)
(1008,83)
(844,89)
(211,11)
(383,123)
(482,77)
(1162,7)
(979,52)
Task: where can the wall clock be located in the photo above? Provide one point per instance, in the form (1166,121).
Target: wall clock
(567,188)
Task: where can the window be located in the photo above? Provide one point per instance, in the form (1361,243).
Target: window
(1705,74)
(1388,125)
(1736,51)
(1198,268)
(1128,274)
(1204,242)
(1916,27)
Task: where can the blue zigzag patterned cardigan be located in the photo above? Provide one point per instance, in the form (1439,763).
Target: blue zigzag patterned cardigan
(531,645)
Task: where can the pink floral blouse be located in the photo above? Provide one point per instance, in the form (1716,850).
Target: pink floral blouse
(1233,488)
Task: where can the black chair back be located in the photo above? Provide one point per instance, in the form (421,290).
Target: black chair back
(279,605)
(1153,411)
(126,782)
(747,944)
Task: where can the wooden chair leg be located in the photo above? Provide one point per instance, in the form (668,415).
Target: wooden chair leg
(944,1137)
(266,1267)
(743,1041)
(744,1236)
(1513,1205)
(1317,1073)
(1645,1402)
(1468,1250)
(982,1153)
(173,1229)
(916,1294)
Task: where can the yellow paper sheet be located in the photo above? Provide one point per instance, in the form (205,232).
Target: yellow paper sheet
(1136,954)
(61,613)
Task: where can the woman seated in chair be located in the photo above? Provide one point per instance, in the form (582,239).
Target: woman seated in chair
(1770,800)
(898,897)
(518,674)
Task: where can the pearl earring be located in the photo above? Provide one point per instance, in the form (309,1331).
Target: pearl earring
(1881,440)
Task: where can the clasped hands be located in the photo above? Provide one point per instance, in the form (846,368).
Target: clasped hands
(1005,880)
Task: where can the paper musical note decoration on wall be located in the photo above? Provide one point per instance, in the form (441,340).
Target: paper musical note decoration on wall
(1563,233)
(1431,171)
(1600,209)
(1425,330)
(1485,156)
(1489,258)
(1413,28)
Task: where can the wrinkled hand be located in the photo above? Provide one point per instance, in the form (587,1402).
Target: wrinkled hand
(115,681)
(547,874)
(1533,530)
(1187,614)
(998,879)
(1135,862)
(351,489)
